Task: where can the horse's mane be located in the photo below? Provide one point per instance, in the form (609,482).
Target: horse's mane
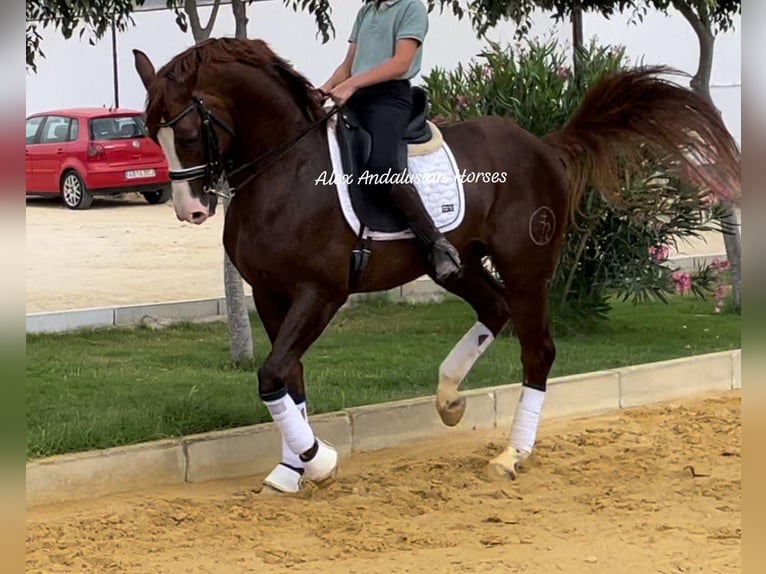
(183,68)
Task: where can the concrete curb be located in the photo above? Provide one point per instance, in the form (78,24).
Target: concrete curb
(420,290)
(253,450)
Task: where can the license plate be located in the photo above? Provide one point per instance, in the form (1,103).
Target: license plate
(138,173)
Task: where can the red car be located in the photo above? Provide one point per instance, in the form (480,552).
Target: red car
(83,152)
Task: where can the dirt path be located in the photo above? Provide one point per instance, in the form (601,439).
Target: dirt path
(119,252)
(125,252)
(646,490)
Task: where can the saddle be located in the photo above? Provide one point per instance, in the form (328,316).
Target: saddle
(374,211)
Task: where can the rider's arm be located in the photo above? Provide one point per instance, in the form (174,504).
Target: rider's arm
(392,69)
(342,72)
(410,33)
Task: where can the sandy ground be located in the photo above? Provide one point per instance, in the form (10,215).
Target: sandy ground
(124,251)
(654,489)
(119,252)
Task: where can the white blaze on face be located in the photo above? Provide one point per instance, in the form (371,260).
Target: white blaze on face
(188,208)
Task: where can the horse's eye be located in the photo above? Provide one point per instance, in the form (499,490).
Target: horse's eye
(188,141)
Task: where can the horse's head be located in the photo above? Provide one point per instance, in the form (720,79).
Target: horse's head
(190,113)
(194,129)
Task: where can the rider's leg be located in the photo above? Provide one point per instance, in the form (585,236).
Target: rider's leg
(385,110)
(444,258)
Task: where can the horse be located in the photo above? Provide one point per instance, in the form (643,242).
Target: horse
(236,120)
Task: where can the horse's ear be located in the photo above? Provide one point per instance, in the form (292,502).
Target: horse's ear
(144,67)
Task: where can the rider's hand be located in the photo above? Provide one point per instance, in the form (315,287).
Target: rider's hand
(342,92)
(320,95)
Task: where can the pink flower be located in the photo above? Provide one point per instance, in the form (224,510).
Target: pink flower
(659,253)
(563,72)
(683,281)
(720,291)
(462,102)
(487,72)
(719,265)
(720,296)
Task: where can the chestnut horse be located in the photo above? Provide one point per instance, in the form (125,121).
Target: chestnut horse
(231,109)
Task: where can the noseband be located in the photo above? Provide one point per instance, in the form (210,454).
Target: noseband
(214,170)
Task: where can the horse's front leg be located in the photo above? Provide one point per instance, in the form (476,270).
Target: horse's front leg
(272,309)
(304,321)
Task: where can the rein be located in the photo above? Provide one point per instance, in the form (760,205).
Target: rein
(213,169)
(281,150)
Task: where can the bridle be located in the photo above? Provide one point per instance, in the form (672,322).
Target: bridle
(215,169)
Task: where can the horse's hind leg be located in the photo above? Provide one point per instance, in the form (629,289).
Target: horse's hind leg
(530,320)
(487,297)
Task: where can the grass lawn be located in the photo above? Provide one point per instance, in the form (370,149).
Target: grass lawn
(107,388)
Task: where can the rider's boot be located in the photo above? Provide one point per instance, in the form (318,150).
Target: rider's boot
(443,256)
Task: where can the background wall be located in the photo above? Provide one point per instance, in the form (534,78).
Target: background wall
(77,74)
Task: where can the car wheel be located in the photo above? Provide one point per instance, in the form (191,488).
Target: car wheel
(159,196)
(74,193)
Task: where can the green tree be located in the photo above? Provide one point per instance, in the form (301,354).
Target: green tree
(707,18)
(618,250)
(93,18)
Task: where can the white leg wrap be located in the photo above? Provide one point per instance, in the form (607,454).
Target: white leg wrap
(526,419)
(462,357)
(288,474)
(288,456)
(324,465)
(296,431)
(284,479)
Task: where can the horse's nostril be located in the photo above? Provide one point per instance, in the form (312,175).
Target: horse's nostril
(198,215)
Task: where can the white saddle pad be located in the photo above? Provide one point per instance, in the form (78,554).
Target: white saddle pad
(435,176)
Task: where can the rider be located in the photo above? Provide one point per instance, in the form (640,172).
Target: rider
(385,52)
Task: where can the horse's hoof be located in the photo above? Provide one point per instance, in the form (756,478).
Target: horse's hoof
(323,468)
(268,490)
(452,412)
(505,465)
(282,479)
(497,471)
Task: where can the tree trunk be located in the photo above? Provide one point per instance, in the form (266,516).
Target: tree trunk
(577,38)
(700,84)
(199,32)
(240,332)
(240,18)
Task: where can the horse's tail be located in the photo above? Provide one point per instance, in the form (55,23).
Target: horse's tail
(631,115)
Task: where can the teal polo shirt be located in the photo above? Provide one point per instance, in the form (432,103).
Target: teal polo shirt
(377,30)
